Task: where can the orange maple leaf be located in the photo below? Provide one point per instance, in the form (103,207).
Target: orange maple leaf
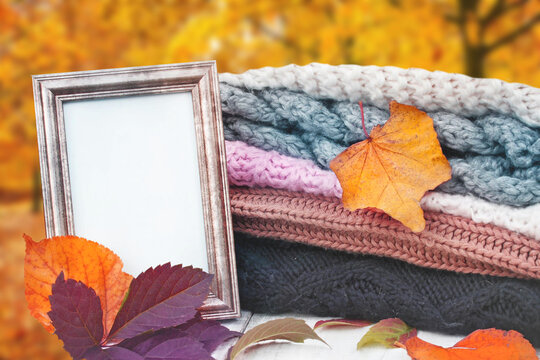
(394,167)
(81,260)
(489,344)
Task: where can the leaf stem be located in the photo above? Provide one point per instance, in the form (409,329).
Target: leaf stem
(363,123)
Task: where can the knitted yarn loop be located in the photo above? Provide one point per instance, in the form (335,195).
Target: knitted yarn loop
(448,242)
(281,277)
(253,167)
(374,85)
(488,129)
(297,125)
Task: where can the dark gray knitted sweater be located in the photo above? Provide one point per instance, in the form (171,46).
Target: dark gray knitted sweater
(277,277)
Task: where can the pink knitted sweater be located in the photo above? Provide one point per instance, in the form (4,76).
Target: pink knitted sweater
(448,242)
(253,167)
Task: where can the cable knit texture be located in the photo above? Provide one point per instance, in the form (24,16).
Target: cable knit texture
(431,91)
(494,157)
(488,130)
(448,242)
(253,167)
(281,277)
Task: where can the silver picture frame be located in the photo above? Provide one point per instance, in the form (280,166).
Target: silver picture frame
(53,91)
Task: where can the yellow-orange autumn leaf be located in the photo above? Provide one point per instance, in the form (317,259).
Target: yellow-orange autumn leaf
(80,260)
(394,167)
(489,344)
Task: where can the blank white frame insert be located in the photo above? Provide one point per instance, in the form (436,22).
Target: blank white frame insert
(134,178)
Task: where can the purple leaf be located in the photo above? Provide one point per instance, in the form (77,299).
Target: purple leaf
(134,341)
(141,344)
(185,348)
(158,298)
(210,332)
(157,338)
(113,353)
(76,315)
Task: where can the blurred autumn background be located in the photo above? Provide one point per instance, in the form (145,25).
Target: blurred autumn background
(482,38)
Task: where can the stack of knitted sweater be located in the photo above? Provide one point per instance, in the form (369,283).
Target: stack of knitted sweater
(476,264)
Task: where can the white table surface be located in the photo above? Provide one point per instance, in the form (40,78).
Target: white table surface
(342,342)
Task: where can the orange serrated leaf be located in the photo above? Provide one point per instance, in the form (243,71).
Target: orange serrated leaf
(81,260)
(489,344)
(394,167)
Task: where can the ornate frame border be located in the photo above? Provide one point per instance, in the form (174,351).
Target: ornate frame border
(199,78)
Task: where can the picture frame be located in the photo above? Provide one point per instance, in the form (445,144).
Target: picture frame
(118,168)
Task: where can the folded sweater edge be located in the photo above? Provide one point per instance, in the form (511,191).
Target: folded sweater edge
(376,85)
(253,167)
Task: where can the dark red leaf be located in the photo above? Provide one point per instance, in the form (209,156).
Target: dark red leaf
(185,348)
(76,315)
(153,339)
(134,341)
(169,343)
(210,332)
(113,353)
(158,298)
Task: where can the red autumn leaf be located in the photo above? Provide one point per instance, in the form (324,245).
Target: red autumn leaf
(394,167)
(184,348)
(82,260)
(489,344)
(112,353)
(176,346)
(341,322)
(210,333)
(76,315)
(160,297)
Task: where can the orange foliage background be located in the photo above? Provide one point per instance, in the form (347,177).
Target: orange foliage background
(493,38)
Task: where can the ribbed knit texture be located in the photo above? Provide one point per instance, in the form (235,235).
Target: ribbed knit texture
(488,130)
(253,167)
(495,157)
(280,277)
(374,85)
(448,242)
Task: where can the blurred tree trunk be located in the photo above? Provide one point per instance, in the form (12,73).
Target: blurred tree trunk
(474,62)
(474,54)
(472,28)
